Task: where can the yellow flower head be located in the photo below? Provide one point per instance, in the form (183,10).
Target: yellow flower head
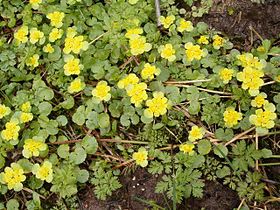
(26,107)
(43,172)
(13,176)
(167,52)
(187,148)
(55,34)
(226,75)
(218,42)
(48,48)
(35,4)
(25,117)
(141,157)
(75,45)
(137,93)
(134,32)
(56,18)
(4,111)
(196,133)
(259,100)
(76,86)
(185,26)
(248,60)
(138,45)
(71,32)
(203,40)
(33,61)
(32,147)
(35,35)
(231,117)
(251,79)
(11,131)
(149,71)
(130,79)
(102,91)
(156,106)
(193,52)
(72,66)
(167,21)
(21,34)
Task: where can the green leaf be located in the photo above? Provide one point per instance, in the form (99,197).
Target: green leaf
(79,117)
(63,151)
(62,120)
(103,120)
(12,204)
(90,144)
(78,156)
(204,147)
(56,55)
(222,172)
(45,108)
(82,176)
(221,150)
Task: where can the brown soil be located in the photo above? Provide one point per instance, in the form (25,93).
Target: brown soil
(248,23)
(141,185)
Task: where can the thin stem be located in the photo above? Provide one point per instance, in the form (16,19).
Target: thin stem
(269,164)
(239,136)
(257,148)
(157,5)
(188,81)
(97,38)
(204,89)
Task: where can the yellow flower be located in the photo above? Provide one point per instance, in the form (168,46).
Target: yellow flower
(13,176)
(76,86)
(4,111)
(35,35)
(130,79)
(134,32)
(11,131)
(33,61)
(26,107)
(193,52)
(167,52)
(33,147)
(26,117)
(231,117)
(185,26)
(71,32)
(196,133)
(56,18)
(226,75)
(43,172)
(264,118)
(259,100)
(203,40)
(187,148)
(35,4)
(21,34)
(149,71)
(251,79)
(48,48)
(277,78)
(75,45)
(55,34)
(138,45)
(137,93)
(141,157)
(261,49)
(167,21)
(248,60)
(102,91)
(72,66)
(156,106)
(218,42)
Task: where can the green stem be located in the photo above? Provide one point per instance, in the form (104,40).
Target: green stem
(274,156)
(269,164)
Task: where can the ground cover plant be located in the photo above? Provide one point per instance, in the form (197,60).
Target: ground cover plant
(93,90)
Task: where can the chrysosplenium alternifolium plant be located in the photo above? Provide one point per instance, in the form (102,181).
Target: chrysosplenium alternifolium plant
(83,70)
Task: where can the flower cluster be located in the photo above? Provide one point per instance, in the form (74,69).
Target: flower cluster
(11,131)
(226,75)
(196,133)
(137,93)
(35,4)
(4,111)
(56,18)
(156,106)
(74,43)
(76,86)
(141,157)
(187,148)
(149,71)
(26,115)
(264,118)
(43,172)
(167,21)
(259,100)
(218,42)
(194,52)
(72,65)
(102,91)
(33,147)
(185,26)
(231,117)
(168,52)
